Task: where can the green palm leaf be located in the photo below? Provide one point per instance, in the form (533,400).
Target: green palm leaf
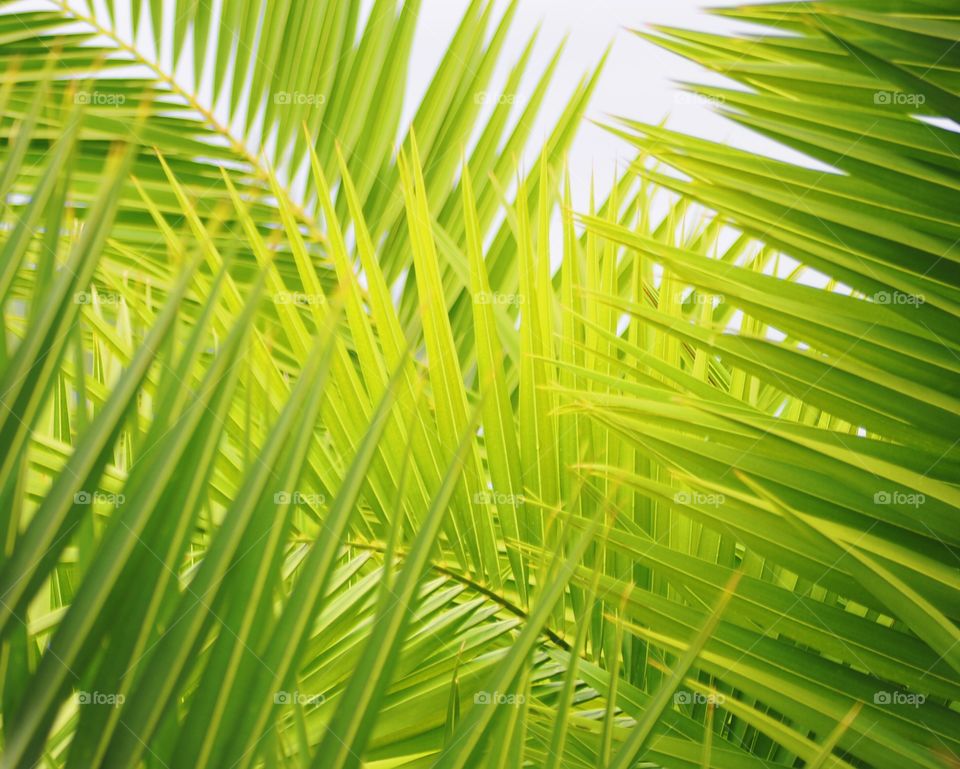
(322,451)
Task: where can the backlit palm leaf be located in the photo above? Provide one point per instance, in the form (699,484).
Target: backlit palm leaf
(333,457)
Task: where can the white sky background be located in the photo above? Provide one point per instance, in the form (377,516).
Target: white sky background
(638,80)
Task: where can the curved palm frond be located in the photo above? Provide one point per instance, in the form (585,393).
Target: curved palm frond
(309,465)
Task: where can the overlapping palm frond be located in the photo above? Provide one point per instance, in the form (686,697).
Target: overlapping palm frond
(222,92)
(333,457)
(843,485)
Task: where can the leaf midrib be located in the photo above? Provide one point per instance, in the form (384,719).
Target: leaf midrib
(262,170)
